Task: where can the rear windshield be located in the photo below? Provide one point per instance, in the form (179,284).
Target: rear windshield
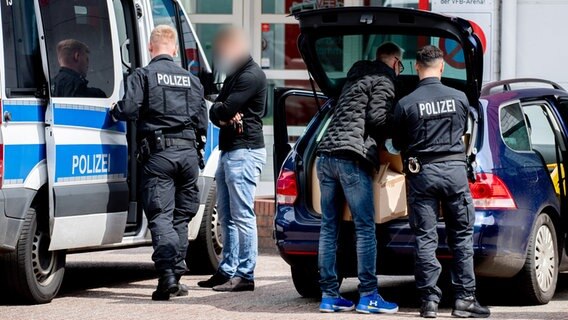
(338,53)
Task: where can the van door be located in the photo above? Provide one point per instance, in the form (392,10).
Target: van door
(86,150)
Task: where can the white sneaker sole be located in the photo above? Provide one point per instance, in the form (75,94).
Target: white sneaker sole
(339,309)
(383,311)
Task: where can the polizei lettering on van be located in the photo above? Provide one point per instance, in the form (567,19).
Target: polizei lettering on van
(90,163)
(174,80)
(437,107)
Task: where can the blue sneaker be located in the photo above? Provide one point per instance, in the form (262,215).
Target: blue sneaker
(336,305)
(374,303)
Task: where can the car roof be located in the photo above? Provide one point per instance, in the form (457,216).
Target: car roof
(499,92)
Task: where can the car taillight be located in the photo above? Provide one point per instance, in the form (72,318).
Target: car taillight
(286,187)
(490,192)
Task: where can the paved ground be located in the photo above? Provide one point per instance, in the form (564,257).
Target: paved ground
(118,284)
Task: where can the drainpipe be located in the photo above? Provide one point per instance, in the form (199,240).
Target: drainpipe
(508,39)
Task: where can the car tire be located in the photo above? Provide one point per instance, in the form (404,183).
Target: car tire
(204,252)
(33,274)
(306,280)
(538,278)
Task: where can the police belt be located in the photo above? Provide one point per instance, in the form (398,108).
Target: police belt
(437,158)
(414,163)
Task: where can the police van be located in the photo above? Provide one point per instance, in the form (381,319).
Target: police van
(68,173)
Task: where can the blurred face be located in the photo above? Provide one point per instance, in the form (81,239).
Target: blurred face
(230,52)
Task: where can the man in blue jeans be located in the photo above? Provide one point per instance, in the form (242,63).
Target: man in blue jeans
(347,156)
(238,111)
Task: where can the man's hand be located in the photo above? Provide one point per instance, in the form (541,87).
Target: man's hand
(237,118)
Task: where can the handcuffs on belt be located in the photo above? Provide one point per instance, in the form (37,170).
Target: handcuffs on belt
(414,165)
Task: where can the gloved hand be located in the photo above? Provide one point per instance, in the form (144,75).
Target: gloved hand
(390,148)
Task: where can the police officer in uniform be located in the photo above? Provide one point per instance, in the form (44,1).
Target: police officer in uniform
(168,103)
(431,122)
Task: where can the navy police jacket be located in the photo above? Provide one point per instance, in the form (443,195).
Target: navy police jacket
(164,96)
(431,120)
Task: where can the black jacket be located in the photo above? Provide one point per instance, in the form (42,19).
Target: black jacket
(69,83)
(164,96)
(362,112)
(243,92)
(431,120)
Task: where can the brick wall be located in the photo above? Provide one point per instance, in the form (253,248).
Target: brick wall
(264,208)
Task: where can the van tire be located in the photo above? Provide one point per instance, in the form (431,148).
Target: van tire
(204,252)
(32,274)
(306,280)
(538,278)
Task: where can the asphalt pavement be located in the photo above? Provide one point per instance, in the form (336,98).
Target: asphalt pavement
(118,285)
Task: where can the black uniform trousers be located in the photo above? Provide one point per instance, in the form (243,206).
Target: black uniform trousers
(442,185)
(171,200)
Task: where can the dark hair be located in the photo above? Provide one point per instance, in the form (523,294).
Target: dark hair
(428,54)
(388,49)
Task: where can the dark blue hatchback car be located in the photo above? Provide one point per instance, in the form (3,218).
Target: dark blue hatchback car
(518,136)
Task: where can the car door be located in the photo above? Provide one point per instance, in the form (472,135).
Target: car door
(86,150)
(293,110)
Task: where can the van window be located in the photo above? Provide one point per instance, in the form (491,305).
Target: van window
(164,12)
(190,47)
(79,48)
(514,127)
(22,59)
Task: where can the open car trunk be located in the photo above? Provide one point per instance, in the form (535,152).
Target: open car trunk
(332,40)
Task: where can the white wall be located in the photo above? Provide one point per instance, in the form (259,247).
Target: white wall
(542,40)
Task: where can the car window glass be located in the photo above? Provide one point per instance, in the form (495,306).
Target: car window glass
(300,110)
(22,60)
(164,12)
(514,128)
(79,48)
(337,54)
(542,135)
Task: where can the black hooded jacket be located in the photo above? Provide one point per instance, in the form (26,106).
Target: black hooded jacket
(362,113)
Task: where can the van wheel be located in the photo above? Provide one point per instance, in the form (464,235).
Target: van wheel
(540,273)
(204,252)
(306,280)
(32,273)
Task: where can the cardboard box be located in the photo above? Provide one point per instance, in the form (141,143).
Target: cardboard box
(389,193)
(394,162)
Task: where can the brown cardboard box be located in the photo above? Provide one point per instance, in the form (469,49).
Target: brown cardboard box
(394,161)
(389,191)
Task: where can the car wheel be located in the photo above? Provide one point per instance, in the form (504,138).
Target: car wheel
(306,280)
(539,275)
(204,252)
(32,273)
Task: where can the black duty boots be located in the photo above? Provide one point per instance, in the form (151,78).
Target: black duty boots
(470,308)
(167,284)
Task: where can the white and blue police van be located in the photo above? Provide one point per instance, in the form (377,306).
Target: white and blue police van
(68,173)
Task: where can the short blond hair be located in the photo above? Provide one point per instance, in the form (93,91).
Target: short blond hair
(164,35)
(67,48)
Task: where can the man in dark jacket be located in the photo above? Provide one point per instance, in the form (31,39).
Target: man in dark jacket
(238,111)
(347,156)
(70,81)
(168,103)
